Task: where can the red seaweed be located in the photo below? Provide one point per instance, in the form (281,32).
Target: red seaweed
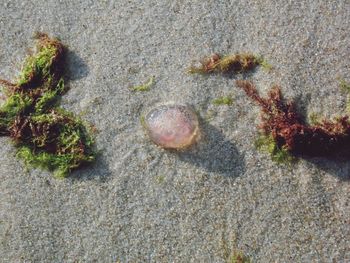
(281,121)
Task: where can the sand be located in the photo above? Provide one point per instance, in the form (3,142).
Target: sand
(139,203)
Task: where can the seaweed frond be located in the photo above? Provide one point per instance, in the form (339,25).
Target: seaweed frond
(144,87)
(230,63)
(264,63)
(285,131)
(239,257)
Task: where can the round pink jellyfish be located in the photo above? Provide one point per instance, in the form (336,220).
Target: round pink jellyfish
(172,126)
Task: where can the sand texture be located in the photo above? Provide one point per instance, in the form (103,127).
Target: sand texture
(139,203)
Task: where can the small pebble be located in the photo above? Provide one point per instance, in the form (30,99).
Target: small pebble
(172,126)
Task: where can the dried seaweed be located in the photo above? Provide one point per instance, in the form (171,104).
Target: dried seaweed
(224,64)
(46,136)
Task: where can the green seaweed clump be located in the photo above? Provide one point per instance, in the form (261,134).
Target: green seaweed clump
(279,154)
(225,100)
(46,135)
(230,63)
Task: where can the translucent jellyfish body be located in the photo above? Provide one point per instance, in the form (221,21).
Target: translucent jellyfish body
(172,126)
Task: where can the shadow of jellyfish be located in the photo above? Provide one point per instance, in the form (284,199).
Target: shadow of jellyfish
(215,153)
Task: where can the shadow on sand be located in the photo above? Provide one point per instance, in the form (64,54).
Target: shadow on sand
(215,153)
(337,167)
(76,67)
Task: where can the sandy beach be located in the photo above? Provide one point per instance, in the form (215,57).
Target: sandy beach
(141,203)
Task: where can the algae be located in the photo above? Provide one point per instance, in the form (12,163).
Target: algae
(344,85)
(144,87)
(285,131)
(239,257)
(241,62)
(46,136)
(224,100)
(279,154)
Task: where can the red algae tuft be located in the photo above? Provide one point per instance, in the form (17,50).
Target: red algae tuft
(287,130)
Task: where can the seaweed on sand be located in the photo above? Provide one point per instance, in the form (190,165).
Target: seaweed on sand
(241,62)
(285,130)
(46,136)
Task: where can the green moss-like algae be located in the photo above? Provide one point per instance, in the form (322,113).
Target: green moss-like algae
(144,87)
(267,143)
(46,136)
(225,100)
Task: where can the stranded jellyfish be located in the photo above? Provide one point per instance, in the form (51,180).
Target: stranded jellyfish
(172,126)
